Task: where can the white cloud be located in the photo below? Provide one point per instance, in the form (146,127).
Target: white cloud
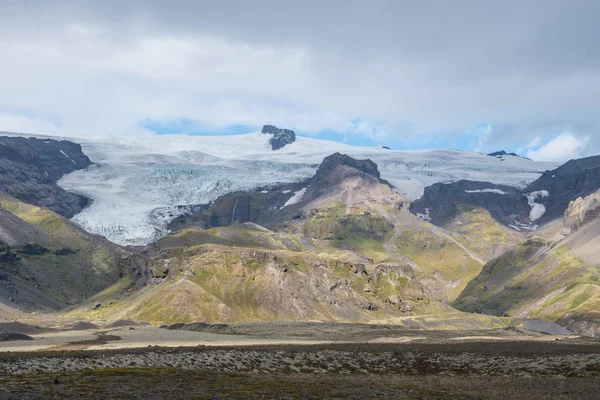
(407,72)
(19,122)
(562,148)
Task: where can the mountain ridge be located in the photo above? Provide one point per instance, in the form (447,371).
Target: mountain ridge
(30,168)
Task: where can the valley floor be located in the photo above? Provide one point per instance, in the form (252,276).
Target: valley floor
(299,360)
(170,383)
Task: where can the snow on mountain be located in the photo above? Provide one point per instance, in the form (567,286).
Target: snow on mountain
(140,183)
(537,209)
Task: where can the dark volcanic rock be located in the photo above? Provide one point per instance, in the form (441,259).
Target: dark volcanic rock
(29,169)
(266,206)
(259,206)
(333,161)
(54,157)
(575,178)
(504,153)
(441,201)
(281,137)
(83,326)
(8,336)
(33,249)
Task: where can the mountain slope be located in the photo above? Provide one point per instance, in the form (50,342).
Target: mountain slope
(46,262)
(574,179)
(346,248)
(556,279)
(30,167)
(541,202)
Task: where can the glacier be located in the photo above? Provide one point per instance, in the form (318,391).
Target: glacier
(138,184)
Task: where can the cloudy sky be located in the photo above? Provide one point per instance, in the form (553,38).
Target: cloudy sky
(478,75)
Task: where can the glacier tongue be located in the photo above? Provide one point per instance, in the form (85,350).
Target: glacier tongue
(139,184)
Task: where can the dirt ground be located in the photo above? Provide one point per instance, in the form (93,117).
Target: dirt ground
(299,361)
(165,383)
(568,369)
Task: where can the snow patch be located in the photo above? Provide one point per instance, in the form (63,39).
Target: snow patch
(285,191)
(296,198)
(497,191)
(424,217)
(537,209)
(65,154)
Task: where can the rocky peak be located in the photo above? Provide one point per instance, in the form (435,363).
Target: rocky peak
(581,211)
(335,160)
(501,153)
(281,137)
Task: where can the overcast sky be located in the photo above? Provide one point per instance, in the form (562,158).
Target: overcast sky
(479,75)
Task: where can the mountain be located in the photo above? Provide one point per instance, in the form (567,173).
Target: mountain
(443,202)
(556,278)
(339,246)
(525,209)
(30,167)
(46,262)
(229,229)
(138,185)
(280,138)
(560,186)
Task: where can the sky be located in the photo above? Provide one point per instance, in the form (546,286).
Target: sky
(476,75)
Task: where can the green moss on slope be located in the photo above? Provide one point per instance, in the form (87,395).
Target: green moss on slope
(477,230)
(438,257)
(536,282)
(76,264)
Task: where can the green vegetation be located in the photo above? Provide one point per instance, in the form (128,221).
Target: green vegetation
(438,257)
(536,282)
(234,235)
(73,264)
(480,232)
(338,222)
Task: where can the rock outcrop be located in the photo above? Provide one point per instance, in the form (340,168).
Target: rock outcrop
(543,201)
(441,202)
(30,167)
(500,154)
(335,160)
(574,179)
(267,206)
(281,137)
(581,211)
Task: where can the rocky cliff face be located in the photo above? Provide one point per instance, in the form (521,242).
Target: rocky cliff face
(441,202)
(581,211)
(281,137)
(29,169)
(543,201)
(337,159)
(270,206)
(574,179)
(500,154)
